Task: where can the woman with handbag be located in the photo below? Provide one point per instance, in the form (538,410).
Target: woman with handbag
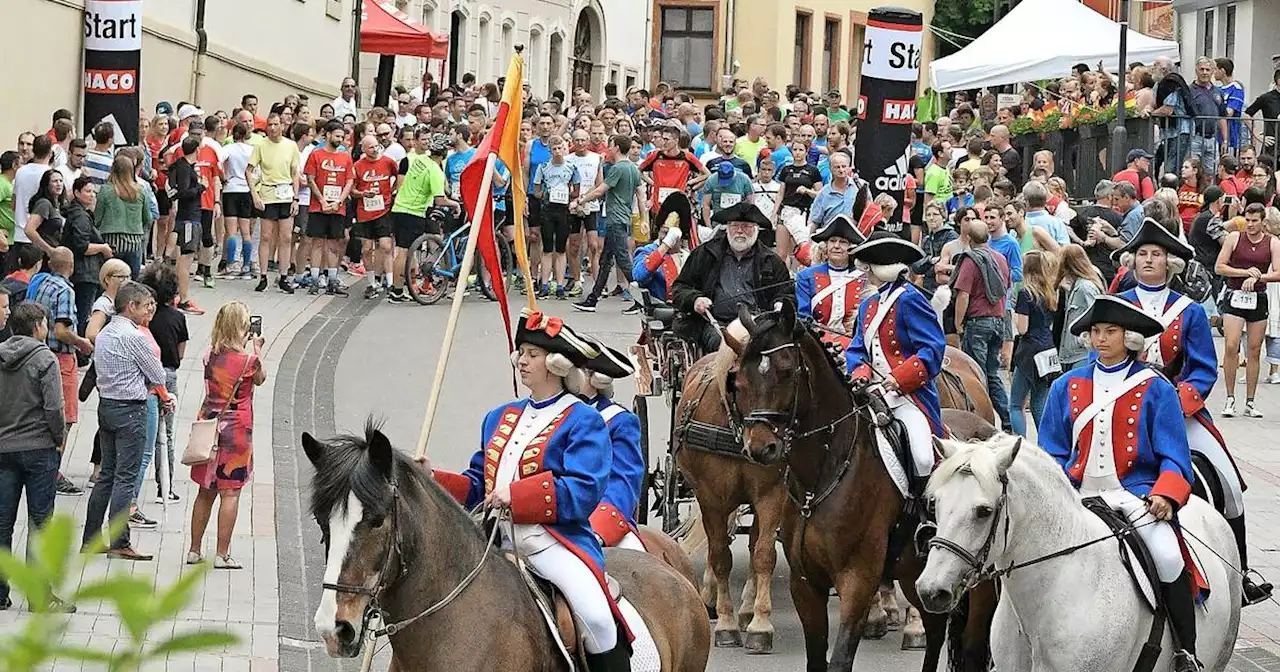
(1036,360)
(220,448)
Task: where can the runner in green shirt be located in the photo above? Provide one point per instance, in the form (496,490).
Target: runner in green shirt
(8,168)
(421,185)
(937,180)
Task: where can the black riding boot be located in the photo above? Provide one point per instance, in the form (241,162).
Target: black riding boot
(616,660)
(1253,592)
(1181,605)
(927,528)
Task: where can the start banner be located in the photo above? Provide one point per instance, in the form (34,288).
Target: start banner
(112,58)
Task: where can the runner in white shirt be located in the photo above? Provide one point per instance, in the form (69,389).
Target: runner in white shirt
(237,204)
(587,218)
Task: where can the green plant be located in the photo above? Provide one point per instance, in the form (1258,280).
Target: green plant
(139,606)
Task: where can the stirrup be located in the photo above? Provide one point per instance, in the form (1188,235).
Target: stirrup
(1184,661)
(925,532)
(1261,592)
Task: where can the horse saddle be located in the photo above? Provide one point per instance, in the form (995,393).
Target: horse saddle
(1133,553)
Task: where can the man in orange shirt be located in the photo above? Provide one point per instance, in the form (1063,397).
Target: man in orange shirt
(208,167)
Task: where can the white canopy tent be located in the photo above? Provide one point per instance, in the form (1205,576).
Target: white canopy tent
(1042,39)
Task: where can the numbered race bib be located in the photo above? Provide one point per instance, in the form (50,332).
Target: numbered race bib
(559,195)
(729,200)
(284,192)
(456,191)
(374,203)
(332,193)
(1048,363)
(664,192)
(1243,300)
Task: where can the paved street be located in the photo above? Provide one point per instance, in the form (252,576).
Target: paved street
(331,364)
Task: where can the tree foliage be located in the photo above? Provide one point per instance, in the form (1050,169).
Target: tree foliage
(970,18)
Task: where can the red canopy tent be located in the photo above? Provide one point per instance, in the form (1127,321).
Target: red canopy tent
(388,31)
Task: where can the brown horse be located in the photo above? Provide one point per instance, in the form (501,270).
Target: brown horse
(666,549)
(963,385)
(796,409)
(396,541)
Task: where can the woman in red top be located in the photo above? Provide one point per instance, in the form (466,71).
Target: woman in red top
(1189,190)
(157,141)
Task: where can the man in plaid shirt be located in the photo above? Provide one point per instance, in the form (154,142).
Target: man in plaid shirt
(53,291)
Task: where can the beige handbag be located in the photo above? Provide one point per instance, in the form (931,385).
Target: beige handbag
(202,441)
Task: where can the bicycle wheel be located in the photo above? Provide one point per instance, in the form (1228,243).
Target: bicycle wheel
(505,260)
(425,256)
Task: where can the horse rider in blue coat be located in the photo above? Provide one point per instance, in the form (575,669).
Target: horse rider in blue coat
(614,520)
(657,265)
(829,293)
(546,459)
(1116,428)
(1185,354)
(898,341)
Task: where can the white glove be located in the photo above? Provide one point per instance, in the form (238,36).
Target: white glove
(672,238)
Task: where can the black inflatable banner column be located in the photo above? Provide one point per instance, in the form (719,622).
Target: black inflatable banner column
(112,58)
(887,104)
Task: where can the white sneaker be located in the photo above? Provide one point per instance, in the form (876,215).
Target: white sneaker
(1251,411)
(1229,409)
(1273,379)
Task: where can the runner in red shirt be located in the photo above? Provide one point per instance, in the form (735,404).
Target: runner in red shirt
(374,188)
(330,174)
(671,169)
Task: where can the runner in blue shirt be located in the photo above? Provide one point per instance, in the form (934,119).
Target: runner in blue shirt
(459,157)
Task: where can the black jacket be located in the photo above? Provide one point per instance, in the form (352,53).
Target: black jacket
(78,233)
(185,183)
(701,272)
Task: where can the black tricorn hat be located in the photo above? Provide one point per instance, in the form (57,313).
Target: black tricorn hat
(553,335)
(839,227)
(1109,309)
(1154,233)
(741,212)
(883,248)
(677,204)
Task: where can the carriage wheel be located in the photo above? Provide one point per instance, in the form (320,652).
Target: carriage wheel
(640,406)
(670,495)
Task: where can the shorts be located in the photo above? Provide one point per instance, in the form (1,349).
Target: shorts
(276,211)
(69,373)
(1256,314)
(373,229)
(189,235)
(796,223)
(407,228)
(300,221)
(238,205)
(555,228)
(206,228)
(163,202)
(580,223)
(327,225)
(602,225)
(535,212)
(499,219)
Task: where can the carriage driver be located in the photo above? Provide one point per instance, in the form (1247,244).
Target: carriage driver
(829,293)
(1185,354)
(733,268)
(614,520)
(1116,429)
(546,459)
(898,342)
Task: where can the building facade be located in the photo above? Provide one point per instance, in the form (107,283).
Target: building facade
(702,45)
(567,43)
(252,46)
(1243,31)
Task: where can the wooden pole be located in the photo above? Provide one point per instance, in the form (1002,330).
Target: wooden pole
(468,259)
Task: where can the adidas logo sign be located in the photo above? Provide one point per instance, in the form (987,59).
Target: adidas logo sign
(894,178)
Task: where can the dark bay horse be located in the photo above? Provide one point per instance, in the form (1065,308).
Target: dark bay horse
(396,541)
(796,409)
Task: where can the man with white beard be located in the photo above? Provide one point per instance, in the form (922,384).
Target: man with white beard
(731,269)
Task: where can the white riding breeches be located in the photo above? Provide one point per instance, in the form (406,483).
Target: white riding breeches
(632,542)
(794,220)
(1158,536)
(582,591)
(1204,443)
(919,435)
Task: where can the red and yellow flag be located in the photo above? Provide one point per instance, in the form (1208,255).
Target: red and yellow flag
(504,141)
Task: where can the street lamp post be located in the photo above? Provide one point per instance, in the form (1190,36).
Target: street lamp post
(1119,134)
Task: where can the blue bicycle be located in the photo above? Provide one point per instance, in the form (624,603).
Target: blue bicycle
(434,263)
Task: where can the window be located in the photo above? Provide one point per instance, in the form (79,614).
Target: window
(486,49)
(508,46)
(687,48)
(831,53)
(800,71)
(429,16)
(333,8)
(1229,41)
(631,81)
(1206,33)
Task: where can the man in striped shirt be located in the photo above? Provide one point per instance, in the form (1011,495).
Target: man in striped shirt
(97,161)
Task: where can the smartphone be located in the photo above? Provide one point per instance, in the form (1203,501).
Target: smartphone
(255,325)
(1228,199)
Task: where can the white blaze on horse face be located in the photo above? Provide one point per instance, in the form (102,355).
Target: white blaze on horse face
(342,527)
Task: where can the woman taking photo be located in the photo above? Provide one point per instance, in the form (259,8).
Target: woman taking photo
(1247,262)
(232,368)
(122,214)
(82,237)
(1033,365)
(1080,283)
(44,224)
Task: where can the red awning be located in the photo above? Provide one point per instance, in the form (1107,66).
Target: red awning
(387,30)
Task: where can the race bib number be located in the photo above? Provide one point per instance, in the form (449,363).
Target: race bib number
(284,192)
(1243,300)
(456,192)
(332,193)
(559,195)
(664,192)
(729,200)
(374,203)
(1048,363)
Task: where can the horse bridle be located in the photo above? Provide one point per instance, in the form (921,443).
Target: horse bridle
(739,422)
(980,569)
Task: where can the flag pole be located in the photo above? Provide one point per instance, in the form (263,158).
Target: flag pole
(483,200)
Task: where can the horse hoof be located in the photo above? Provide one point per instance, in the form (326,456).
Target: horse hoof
(728,639)
(875,629)
(913,642)
(745,619)
(759,643)
(894,621)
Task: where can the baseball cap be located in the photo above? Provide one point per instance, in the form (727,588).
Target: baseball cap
(1135,154)
(725,171)
(833,93)
(164,107)
(187,111)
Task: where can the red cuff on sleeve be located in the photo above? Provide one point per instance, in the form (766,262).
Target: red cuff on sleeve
(653,260)
(911,375)
(1190,398)
(862,372)
(608,522)
(533,500)
(1174,486)
(456,484)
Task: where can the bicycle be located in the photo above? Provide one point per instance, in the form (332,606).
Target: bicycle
(434,263)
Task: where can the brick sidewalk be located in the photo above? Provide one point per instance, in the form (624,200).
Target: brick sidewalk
(245,602)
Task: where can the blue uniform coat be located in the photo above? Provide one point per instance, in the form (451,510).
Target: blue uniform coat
(615,516)
(654,271)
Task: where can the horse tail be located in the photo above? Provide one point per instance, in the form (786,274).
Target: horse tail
(957,622)
(693,538)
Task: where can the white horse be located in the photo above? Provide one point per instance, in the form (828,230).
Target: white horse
(1075,613)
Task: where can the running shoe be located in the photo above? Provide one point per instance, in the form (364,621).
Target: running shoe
(626,296)
(231,272)
(66,487)
(1229,408)
(398,295)
(560,293)
(586,305)
(189,307)
(262,284)
(141,522)
(1250,410)
(576,290)
(209,282)
(314,289)
(284,285)
(543,291)
(633,309)
(357,270)
(336,288)
(371,292)
(617,290)
(1273,379)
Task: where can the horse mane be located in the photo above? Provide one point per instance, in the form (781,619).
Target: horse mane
(978,459)
(726,360)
